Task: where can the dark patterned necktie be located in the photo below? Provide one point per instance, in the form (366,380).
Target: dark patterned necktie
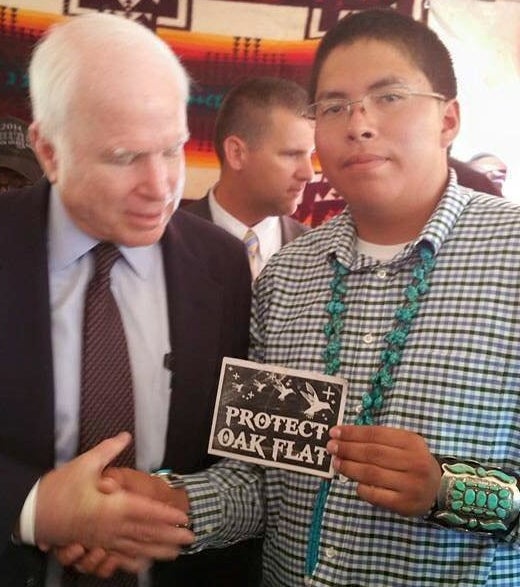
(107,399)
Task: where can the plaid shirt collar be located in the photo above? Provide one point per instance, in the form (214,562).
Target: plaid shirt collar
(435,232)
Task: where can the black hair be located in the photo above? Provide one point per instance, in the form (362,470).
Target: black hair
(246,108)
(413,38)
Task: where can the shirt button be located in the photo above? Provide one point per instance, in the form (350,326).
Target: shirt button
(207,529)
(307,581)
(342,478)
(381,273)
(330,552)
(368,338)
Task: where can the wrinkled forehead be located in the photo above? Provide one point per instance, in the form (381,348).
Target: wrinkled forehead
(137,113)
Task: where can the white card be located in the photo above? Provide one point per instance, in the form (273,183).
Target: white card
(278,417)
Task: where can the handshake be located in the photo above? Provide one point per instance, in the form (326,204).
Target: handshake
(101,519)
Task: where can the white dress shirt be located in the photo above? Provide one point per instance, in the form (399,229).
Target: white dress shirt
(268,231)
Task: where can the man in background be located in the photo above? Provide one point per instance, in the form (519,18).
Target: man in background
(101,233)
(18,164)
(472,178)
(264,146)
(491,166)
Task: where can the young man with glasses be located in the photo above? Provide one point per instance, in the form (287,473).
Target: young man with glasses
(411,295)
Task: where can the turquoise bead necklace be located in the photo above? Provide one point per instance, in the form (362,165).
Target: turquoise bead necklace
(382,380)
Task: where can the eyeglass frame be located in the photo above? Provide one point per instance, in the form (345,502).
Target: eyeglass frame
(350,103)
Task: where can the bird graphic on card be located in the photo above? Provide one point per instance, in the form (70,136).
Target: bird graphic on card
(237,387)
(280,386)
(315,404)
(259,386)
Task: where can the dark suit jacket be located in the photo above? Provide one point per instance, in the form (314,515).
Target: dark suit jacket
(290,228)
(208,292)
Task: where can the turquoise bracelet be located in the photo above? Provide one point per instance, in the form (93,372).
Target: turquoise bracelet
(476,499)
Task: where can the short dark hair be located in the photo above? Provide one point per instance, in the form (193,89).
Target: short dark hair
(246,108)
(413,38)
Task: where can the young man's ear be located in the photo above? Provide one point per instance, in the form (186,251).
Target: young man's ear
(451,122)
(235,150)
(44,151)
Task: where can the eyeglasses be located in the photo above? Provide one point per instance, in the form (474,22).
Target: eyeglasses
(387,102)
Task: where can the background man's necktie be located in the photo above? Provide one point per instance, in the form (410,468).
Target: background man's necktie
(252,245)
(107,399)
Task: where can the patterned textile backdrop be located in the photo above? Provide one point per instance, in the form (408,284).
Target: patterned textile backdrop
(219,41)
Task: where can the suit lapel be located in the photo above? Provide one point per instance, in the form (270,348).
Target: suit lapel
(194,308)
(200,208)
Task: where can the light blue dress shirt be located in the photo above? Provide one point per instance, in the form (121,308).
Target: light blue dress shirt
(137,282)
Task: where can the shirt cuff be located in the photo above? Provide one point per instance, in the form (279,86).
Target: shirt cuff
(28,517)
(205,509)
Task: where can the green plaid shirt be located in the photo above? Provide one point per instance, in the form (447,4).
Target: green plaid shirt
(458,386)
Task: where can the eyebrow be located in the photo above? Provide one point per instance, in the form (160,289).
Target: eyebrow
(390,80)
(297,151)
(117,152)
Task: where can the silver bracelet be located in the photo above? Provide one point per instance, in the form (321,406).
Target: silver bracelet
(173,480)
(476,499)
